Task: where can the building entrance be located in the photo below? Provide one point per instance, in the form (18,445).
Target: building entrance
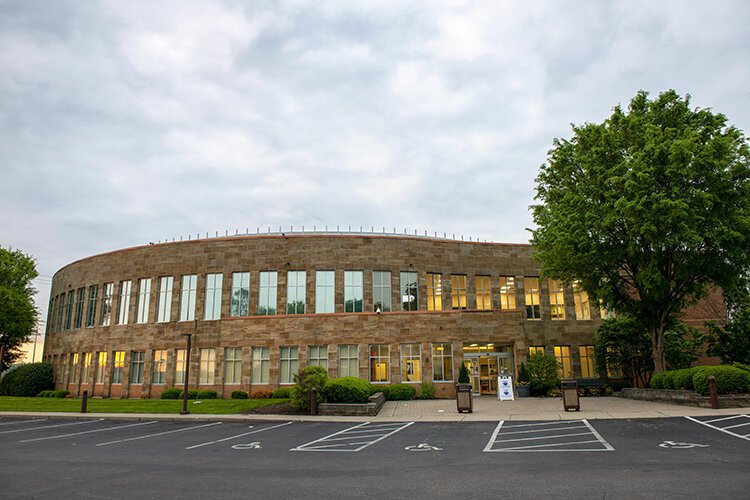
(485,362)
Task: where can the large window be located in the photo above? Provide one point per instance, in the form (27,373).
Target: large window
(581,301)
(458,291)
(381,291)
(232,365)
(535,349)
(187,297)
(91,309)
(434,292)
(409,289)
(484,297)
(353,291)
(261,365)
(137,361)
(207,366)
(80,299)
(556,299)
(317,355)
(159,367)
(411,363)
(107,291)
(180,358)
(123,306)
(295,292)
(240,295)
(267,291)
(348,361)
(379,363)
(118,363)
(144,300)
(164,300)
(75,367)
(324,292)
(562,353)
(212,309)
(101,367)
(531,287)
(586,353)
(507,292)
(86,367)
(288,364)
(69,310)
(442,362)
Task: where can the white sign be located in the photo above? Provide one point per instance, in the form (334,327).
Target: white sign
(505,388)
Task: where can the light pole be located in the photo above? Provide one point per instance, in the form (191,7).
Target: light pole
(2,351)
(187,375)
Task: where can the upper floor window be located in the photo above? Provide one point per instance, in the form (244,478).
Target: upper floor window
(240,295)
(324,292)
(581,301)
(144,299)
(164,300)
(556,299)
(409,291)
(531,287)
(507,292)
(484,300)
(212,309)
(434,292)
(123,307)
(458,291)
(79,308)
(295,292)
(381,290)
(353,291)
(267,292)
(107,291)
(91,309)
(187,297)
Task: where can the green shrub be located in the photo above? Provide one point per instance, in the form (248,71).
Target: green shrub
(401,392)
(741,366)
(347,390)
(53,394)
(729,379)
(544,373)
(171,393)
(659,381)
(683,379)
(27,380)
(427,391)
(282,393)
(463,374)
(192,394)
(554,392)
(310,377)
(385,389)
(523,374)
(239,395)
(618,386)
(205,394)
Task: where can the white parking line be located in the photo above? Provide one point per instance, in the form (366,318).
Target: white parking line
(23,421)
(158,434)
(723,418)
(354,437)
(237,436)
(51,426)
(746,437)
(88,432)
(564,443)
(738,425)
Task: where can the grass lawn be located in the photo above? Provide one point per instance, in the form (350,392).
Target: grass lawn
(214,406)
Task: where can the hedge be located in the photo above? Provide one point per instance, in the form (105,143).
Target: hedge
(729,379)
(27,380)
(192,394)
(427,391)
(347,390)
(311,377)
(401,392)
(282,393)
(172,393)
(53,394)
(206,394)
(239,395)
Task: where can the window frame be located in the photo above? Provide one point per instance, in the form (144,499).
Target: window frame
(143,300)
(232,365)
(164,299)
(159,367)
(240,302)
(382,289)
(354,291)
(296,293)
(434,292)
(261,365)
(207,366)
(317,355)
(438,353)
(265,291)
(137,365)
(212,299)
(288,364)
(123,302)
(325,292)
(410,289)
(408,358)
(349,358)
(533,309)
(556,290)
(93,300)
(483,292)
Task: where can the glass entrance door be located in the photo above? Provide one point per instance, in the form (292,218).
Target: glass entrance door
(473,365)
(488,375)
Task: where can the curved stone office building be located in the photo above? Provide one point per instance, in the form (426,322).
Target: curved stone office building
(386,308)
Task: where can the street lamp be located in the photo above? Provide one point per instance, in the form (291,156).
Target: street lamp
(187,375)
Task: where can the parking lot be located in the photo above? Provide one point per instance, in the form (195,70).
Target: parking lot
(94,458)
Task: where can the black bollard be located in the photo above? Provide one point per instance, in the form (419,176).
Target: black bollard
(313,401)
(712,393)
(84,401)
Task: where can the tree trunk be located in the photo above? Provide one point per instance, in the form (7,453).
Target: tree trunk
(657,345)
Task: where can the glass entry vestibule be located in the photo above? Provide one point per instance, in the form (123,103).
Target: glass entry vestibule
(485,362)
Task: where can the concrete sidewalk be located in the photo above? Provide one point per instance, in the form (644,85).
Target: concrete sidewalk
(486,408)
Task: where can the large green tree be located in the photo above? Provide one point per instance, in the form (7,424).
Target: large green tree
(648,209)
(18,314)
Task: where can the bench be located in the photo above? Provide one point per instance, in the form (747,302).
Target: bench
(592,383)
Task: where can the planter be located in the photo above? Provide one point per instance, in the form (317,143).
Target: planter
(522,391)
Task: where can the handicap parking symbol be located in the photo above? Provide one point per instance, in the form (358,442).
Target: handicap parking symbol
(422,447)
(681,446)
(247,446)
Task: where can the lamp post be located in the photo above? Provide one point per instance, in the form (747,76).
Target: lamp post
(2,351)
(187,375)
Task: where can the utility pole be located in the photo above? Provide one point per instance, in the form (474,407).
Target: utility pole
(187,375)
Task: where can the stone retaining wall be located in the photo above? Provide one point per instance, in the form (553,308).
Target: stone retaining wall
(369,409)
(691,398)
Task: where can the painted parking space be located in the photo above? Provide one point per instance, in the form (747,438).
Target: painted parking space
(46,425)
(90,431)
(354,438)
(554,436)
(239,436)
(734,425)
(158,434)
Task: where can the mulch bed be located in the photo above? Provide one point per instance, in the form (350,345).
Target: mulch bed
(277,409)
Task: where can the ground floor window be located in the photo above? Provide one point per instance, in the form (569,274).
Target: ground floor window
(562,353)
(586,353)
(207,366)
(232,365)
(179,366)
(86,366)
(159,367)
(442,362)
(101,367)
(317,355)
(411,363)
(348,361)
(288,364)
(118,363)
(137,360)
(379,361)
(261,365)
(535,349)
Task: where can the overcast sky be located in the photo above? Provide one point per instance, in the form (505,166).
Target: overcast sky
(126,122)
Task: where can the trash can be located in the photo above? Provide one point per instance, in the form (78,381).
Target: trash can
(570,395)
(464,401)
